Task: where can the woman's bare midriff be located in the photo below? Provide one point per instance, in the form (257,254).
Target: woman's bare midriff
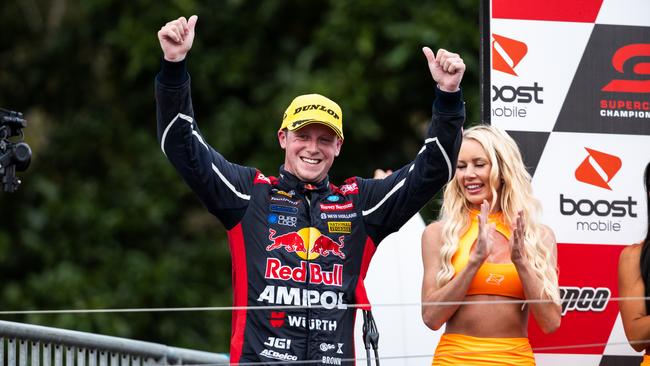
(488,320)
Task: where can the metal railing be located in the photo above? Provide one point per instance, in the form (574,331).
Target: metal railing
(33,345)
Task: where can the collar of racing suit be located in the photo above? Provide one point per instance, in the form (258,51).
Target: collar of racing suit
(288,181)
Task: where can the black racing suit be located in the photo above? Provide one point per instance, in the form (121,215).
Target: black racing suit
(299,244)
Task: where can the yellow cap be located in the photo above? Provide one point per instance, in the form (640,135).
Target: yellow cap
(313,108)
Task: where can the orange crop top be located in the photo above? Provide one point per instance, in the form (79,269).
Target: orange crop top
(491,278)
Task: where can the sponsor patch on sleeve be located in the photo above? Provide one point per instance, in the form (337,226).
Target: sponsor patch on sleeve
(350,188)
(261,179)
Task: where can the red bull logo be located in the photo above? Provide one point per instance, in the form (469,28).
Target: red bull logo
(325,246)
(308,243)
(276,271)
(291,242)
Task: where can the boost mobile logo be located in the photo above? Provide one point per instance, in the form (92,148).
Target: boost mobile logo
(598,168)
(507,53)
(638,69)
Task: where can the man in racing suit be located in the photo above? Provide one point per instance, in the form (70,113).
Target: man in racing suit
(300,245)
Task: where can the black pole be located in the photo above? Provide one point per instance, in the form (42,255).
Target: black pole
(484,60)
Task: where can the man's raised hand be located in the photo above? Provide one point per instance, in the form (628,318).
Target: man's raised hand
(176,38)
(447,68)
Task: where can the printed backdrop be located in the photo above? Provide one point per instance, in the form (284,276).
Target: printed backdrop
(570,81)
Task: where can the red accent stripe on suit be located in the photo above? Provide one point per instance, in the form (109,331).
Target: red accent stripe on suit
(360,292)
(240,291)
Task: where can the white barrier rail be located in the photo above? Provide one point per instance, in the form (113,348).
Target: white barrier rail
(35,345)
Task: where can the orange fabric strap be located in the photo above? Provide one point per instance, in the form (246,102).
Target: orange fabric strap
(646,360)
(460,349)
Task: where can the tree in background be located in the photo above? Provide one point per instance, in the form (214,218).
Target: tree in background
(102,221)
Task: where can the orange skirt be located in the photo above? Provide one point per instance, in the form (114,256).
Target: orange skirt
(646,361)
(459,349)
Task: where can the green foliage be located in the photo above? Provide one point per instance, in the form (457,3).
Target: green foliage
(102,220)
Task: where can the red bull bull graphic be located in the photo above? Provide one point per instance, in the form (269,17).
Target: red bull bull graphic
(323,245)
(291,242)
(276,271)
(308,243)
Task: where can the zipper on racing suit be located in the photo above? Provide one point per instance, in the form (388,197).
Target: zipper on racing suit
(308,279)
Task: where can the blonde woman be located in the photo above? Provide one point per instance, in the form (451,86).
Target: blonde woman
(488,249)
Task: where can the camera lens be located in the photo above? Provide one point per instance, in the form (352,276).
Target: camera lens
(22,156)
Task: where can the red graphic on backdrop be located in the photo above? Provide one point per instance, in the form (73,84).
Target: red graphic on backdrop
(598,168)
(514,52)
(623,55)
(584,11)
(588,275)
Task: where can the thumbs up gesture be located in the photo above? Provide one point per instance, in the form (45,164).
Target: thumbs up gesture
(176,38)
(447,68)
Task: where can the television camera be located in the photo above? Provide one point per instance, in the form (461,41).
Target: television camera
(15,155)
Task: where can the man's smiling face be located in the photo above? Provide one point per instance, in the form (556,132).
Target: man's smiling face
(310,151)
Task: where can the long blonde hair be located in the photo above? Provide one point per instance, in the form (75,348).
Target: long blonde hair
(515,194)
